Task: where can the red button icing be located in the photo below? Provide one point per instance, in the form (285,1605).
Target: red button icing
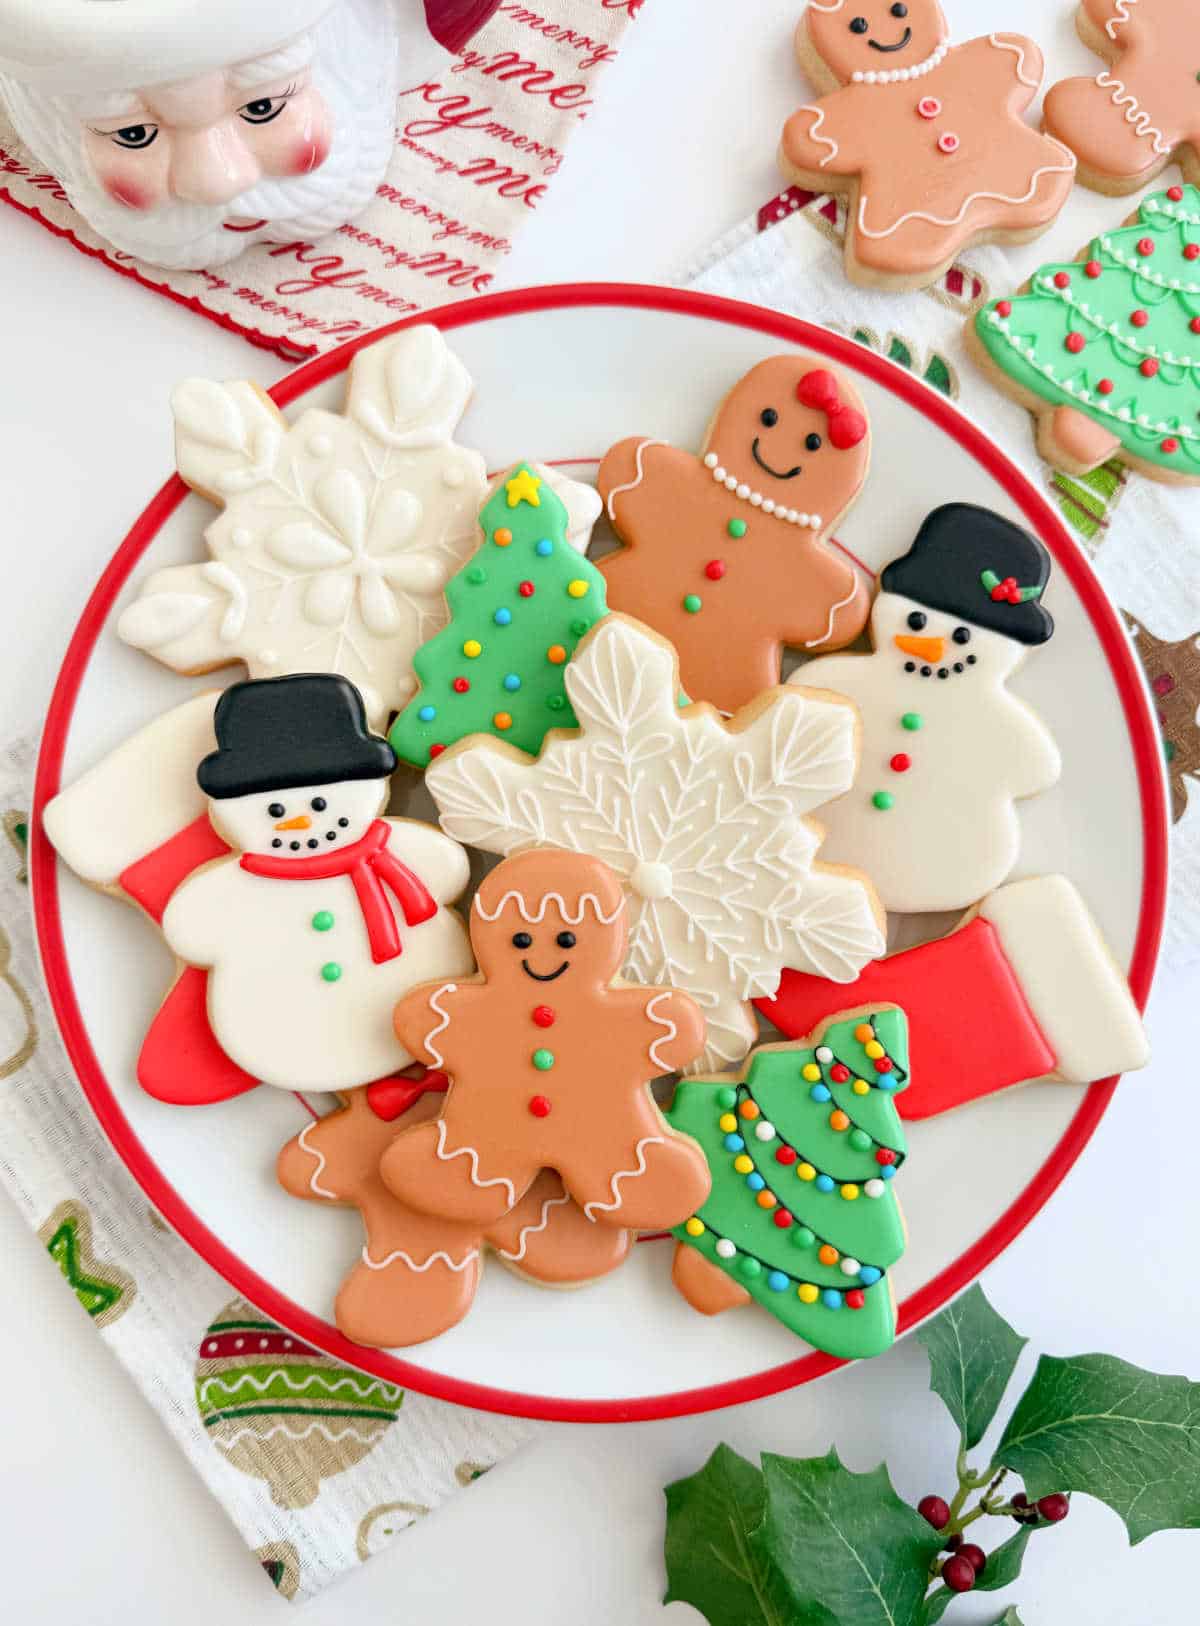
(540,1107)
(543,1016)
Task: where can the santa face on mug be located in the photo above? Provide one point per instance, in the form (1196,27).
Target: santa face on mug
(186,168)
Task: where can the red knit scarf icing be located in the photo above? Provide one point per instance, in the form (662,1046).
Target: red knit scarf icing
(371,868)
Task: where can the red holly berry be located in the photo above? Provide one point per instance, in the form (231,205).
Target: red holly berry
(1061,279)
(1145,247)
(958,1573)
(1093,268)
(1054,1509)
(1020,1500)
(935,1510)
(974,1555)
(1192,251)
(954,1543)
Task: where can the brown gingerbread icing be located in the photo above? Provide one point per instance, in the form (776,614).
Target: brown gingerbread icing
(726,553)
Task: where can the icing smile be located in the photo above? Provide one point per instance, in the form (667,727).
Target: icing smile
(774,473)
(552,976)
(906,40)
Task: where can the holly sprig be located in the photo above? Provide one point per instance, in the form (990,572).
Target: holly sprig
(807,1542)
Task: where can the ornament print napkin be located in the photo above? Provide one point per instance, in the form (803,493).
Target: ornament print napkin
(1142,537)
(478,145)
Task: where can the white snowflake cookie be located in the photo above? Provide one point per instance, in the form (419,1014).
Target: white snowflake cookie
(339,530)
(703,820)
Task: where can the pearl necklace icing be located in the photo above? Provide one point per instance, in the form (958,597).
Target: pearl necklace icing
(793,516)
(899,76)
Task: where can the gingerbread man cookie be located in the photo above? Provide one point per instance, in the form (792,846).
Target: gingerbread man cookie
(928,143)
(726,553)
(417,1276)
(550,1058)
(1129,122)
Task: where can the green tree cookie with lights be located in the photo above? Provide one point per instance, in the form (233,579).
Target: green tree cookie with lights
(1105,351)
(803,1217)
(518,608)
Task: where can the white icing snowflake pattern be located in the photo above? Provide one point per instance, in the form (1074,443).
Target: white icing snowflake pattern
(339,531)
(703,821)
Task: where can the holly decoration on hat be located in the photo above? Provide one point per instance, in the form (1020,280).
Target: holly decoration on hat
(518,608)
(1114,337)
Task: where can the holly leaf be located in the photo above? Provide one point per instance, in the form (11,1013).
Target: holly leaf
(1009,1617)
(1131,1438)
(843,1547)
(972,1352)
(1003,1568)
(710,1561)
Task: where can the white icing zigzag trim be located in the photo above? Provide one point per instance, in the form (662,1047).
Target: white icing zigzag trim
(975,197)
(313,1185)
(1004,42)
(469,1151)
(1135,115)
(814,133)
(1161,206)
(527,1231)
(639,475)
(434,1259)
(446,988)
(840,605)
(662,1022)
(1113,23)
(626,1174)
(247,1380)
(559,902)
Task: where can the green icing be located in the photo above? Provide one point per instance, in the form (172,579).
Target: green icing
(513,647)
(1030,345)
(867,1229)
(95,1295)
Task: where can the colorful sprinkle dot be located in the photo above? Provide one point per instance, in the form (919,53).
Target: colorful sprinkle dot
(726,1097)
(802,1237)
(838,1122)
(578,588)
(811,1072)
(543,1016)
(1145,247)
(861,1087)
(512,682)
(1093,269)
(737,529)
(331,972)
(823,1054)
(693,603)
(839,1073)
(850,1192)
(901,762)
(777,1281)
(868,1275)
(1062,279)
(786,1155)
(1140,318)
(755,1182)
(873,1049)
(806,1293)
(1192,251)
(948,143)
(764,1131)
(874,1188)
(543,1060)
(734,1143)
(832,1299)
(503,721)
(435,751)
(579,626)
(883,800)
(1194,324)
(1149,367)
(884,1156)
(864,1033)
(539,1106)
(1004,308)
(750,1268)
(544,548)
(766,1199)
(929,107)
(824,1182)
(749,1109)
(503,618)
(860,1140)
(828,1254)
(821,1092)
(557,702)
(782,1218)
(744,1164)
(726,1249)
(715,569)
(1106,386)
(477,575)
(472,649)
(912,721)
(727,1123)
(527,589)
(503,537)
(1175,193)
(1170,446)
(806,1171)
(461,685)
(856,1298)
(695,1227)
(322,921)
(427,714)
(556,654)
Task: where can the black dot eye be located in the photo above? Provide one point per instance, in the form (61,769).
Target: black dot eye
(565,939)
(769,418)
(917,621)
(899,10)
(319,804)
(522,940)
(814,443)
(276,810)
(962,635)
(859,25)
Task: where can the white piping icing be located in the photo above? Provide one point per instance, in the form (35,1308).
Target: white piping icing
(317,1189)
(440,1257)
(1156,206)
(1122,17)
(817,5)
(1136,115)
(975,197)
(626,1174)
(555,898)
(1003,43)
(840,605)
(1168,357)
(661,1022)
(248,1380)
(1141,270)
(446,988)
(469,1151)
(901,76)
(814,134)
(527,1231)
(810,522)
(639,475)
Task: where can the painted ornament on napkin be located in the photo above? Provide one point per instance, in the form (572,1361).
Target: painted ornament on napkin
(1105,350)
(947,750)
(726,554)
(929,142)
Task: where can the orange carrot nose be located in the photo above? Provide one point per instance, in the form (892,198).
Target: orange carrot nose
(301,822)
(923,649)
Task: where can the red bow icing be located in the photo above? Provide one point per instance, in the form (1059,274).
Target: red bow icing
(371,868)
(847,426)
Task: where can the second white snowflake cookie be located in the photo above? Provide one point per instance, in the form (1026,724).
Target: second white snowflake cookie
(339,530)
(703,820)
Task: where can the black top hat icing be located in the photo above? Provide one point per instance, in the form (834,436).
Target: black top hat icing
(974,564)
(277,733)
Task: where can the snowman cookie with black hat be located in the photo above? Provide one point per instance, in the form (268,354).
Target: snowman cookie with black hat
(947,749)
(324,914)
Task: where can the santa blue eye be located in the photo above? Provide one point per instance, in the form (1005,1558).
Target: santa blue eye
(962,635)
(276,810)
(135,136)
(522,940)
(565,939)
(917,621)
(859,25)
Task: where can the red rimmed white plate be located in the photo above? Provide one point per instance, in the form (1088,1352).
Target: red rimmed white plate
(561,373)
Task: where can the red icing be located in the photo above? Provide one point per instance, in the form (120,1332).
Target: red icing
(435,751)
(544,1016)
(786,1155)
(540,1107)
(460,686)
(901,762)
(1145,247)
(151,881)
(782,1218)
(181,1062)
(255,1341)
(526,589)
(884,1156)
(1149,368)
(715,569)
(1062,279)
(1195,324)
(1004,308)
(390,1098)
(885,1064)
(1192,251)
(847,426)
(1106,386)
(1140,318)
(839,1074)
(1170,445)
(1175,193)
(1075,343)
(856,1298)
(1093,268)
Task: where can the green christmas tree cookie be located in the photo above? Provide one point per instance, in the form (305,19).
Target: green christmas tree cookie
(518,608)
(1106,350)
(803,1217)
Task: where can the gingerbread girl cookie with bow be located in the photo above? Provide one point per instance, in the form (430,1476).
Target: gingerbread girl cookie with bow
(418,1276)
(1126,124)
(726,554)
(928,143)
(550,1058)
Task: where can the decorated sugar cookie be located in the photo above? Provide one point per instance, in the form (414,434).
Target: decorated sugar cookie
(803,1219)
(947,750)
(1024,988)
(1105,351)
(550,1058)
(1126,124)
(339,531)
(323,913)
(928,142)
(726,553)
(417,1276)
(705,822)
(517,610)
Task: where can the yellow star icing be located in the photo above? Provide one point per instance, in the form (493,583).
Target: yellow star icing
(524,487)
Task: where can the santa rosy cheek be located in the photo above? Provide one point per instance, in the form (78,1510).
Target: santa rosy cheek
(128,193)
(309,155)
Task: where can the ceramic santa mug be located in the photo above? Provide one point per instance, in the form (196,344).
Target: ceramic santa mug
(184,130)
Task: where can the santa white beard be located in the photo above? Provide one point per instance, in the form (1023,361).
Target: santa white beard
(355,66)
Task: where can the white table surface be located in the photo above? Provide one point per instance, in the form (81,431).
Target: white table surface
(101,1520)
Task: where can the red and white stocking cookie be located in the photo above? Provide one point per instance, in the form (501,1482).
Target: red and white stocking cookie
(550,1059)
(928,142)
(726,553)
